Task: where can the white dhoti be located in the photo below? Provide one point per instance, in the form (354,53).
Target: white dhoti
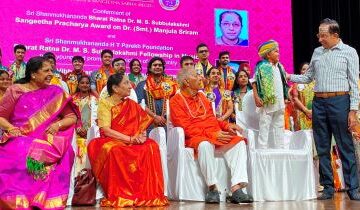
(236,159)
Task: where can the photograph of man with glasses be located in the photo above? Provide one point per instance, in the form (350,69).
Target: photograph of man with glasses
(231,27)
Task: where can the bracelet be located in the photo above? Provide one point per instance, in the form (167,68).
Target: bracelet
(59,124)
(12,129)
(130,140)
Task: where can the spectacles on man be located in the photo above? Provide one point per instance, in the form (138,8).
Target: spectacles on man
(323,35)
(228,24)
(157,64)
(189,64)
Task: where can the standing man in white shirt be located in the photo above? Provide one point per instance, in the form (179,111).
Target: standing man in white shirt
(335,68)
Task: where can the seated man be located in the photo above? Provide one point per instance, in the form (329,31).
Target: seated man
(203,132)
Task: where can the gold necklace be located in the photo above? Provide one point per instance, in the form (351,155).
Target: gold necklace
(187,106)
(114,101)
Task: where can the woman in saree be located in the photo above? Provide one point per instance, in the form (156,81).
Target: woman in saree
(126,163)
(303,95)
(215,91)
(86,102)
(35,152)
(5,82)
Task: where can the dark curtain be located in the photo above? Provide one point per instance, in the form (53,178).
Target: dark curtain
(307,15)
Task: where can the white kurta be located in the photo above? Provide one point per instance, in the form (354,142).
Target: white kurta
(272,116)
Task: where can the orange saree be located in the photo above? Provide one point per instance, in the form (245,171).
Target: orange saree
(130,175)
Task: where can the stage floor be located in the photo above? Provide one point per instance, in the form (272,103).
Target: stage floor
(340,202)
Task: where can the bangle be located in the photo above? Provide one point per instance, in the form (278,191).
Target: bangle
(59,124)
(130,140)
(12,129)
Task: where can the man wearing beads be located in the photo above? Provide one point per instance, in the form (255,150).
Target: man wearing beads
(191,110)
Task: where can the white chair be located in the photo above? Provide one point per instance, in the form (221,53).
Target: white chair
(186,181)
(159,135)
(278,174)
(239,116)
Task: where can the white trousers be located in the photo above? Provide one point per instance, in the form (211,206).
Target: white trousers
(236,159)
(271,122)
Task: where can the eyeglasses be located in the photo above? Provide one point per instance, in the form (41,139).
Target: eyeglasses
(323,35)
(203,51)
(234,25)
(188,64)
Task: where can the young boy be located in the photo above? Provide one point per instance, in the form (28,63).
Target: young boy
(270,92)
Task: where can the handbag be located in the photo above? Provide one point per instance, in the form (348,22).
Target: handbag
(85,188)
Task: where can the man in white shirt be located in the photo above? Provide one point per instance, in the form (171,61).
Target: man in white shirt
(335,68)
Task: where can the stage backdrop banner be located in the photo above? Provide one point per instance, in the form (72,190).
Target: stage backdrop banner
(144,28)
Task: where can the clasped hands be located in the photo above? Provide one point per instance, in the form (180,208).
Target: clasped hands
(53,129)
(16,131)
(226,136)
(138,139)
(159,120)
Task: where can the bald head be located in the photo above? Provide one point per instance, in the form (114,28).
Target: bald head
(188,78)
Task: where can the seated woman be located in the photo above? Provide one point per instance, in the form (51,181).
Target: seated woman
(5,82)
(215,92)
(87,104)
(35,151)
(126,163)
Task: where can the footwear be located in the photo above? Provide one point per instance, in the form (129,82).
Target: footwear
(320,188)
(240,197)
(325,196)
(354,196)
(212,196)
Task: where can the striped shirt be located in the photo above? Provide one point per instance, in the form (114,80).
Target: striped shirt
(334,70)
